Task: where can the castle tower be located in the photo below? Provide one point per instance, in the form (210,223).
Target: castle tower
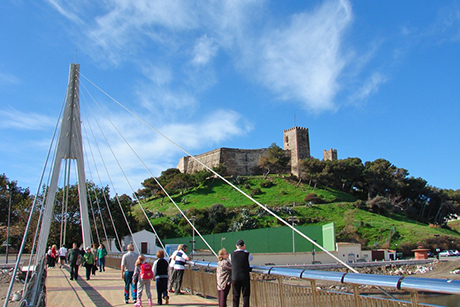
(330,154)
(297,141)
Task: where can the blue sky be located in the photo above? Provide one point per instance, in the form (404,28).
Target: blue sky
(372,79)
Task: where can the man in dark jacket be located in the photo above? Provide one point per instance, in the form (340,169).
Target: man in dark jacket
(73,257)
(240,259)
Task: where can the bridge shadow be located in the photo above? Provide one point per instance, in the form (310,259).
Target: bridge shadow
(92,293)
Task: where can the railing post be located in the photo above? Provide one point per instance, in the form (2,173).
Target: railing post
(356,296)
(314,293)
(201,278)
(414,298)
(281,290)
(192,285)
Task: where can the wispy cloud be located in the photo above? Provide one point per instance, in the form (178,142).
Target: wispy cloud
(203,51)
(15,119)
(303,60)
(68,12)
(8,79)
(370,86)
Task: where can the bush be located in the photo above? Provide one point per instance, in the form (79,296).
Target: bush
(313,198)
(266,184)
(256,191)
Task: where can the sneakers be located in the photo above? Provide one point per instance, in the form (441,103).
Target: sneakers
(126,302)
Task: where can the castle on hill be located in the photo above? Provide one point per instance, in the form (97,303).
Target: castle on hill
(244,162)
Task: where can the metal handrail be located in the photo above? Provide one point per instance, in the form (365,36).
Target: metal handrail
(445,286)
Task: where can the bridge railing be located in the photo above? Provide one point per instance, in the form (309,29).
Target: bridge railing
(275,286)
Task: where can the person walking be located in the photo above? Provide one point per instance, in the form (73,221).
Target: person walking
(128,263)
(160,271)
(100,254)
(74,258)
(88,262)
(53,256)
(179,261)
(240,259)
(224,277)
(171,268)
(94,267)
(143,274)
(62,256)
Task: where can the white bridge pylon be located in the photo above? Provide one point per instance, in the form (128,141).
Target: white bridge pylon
(69,147)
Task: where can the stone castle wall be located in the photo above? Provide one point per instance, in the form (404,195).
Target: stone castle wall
(297,141)
(241,162)
(245,161)
(330,154)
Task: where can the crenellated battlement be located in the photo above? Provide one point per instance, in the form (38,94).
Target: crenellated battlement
(237,161)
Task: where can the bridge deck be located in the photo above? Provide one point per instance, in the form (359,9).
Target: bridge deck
(103,290)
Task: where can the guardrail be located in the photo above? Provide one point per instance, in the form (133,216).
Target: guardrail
(276,286)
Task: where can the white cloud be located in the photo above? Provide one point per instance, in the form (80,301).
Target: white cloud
(370,86)
(14,119)
(303,60)
(156,151)
(68,12)
(8,79)
(204,51)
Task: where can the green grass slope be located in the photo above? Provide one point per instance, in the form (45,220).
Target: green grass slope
(351,222)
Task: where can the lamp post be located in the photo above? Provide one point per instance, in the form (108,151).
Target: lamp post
(437,246)
(222,242)
(293,220)
(193,218)
(313,253)
(8,227)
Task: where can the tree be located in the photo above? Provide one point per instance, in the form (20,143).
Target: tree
(311,170)
(275,159)
(180,182)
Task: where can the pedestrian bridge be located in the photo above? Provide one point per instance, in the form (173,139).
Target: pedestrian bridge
(270,286)
(103,290)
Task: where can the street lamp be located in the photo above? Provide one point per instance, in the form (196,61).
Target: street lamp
(293,220)
(8,227)
(193,218)
(437,246)
(313,253)
(222,242)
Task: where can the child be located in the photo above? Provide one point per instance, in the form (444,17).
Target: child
(160,271)
(142,274)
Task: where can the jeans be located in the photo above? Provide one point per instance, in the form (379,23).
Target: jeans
(101,264)
(73,271)
(129,284)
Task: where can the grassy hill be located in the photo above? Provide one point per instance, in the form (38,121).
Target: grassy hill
(287,198)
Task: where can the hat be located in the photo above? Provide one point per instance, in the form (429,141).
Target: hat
(240,242)
(88,248)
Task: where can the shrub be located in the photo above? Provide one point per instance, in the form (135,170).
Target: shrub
(256,191)
(266,184)
(313,198)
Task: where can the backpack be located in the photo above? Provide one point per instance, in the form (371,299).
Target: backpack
(146,271)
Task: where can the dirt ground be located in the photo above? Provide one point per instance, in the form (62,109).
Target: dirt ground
(5,278)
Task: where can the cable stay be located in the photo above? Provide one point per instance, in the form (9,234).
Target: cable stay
(94,190)
(111,181)
(29,221)
(225,180)
(146,167)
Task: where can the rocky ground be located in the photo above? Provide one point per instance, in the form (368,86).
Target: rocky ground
(5,278)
